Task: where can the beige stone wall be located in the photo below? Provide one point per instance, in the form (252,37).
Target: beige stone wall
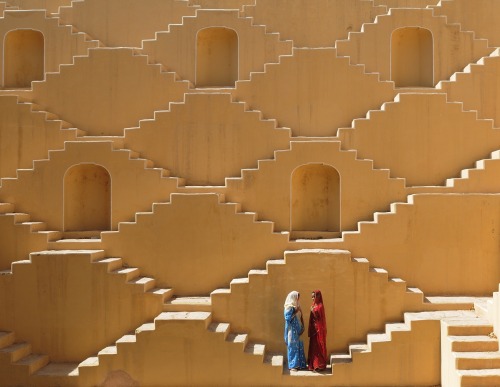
(479,16)
(318,26)
(452,236)
(314,92)
(224,238)
(406,3)
(364,189)
(356,299)
(52,6)
(27,135)
(67,307)
(452,49)
(109,98)
(242,149)
(60,43)
(177,48)
(18,240)
(127,23)
(191,141)
(438,140)
(132,185)
(477,88)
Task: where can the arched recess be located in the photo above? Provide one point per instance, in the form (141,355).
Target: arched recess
(412,57)
(315,198)
(24,56)
(87,198)
(216,57)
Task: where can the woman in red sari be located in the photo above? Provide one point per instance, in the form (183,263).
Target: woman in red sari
(317,334)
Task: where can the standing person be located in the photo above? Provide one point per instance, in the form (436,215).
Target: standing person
(294,327)
(317,334)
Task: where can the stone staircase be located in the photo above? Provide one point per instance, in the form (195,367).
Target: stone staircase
(473,83)
(222,330)
(206,170)
(188,304)
(380,345)
(470,68)
(53,24)
(470,353)
(481,169)
(159,177)
(272,46)
(46,131)
(260,91)
(37,109)
(314,27)
(415,299)
(285,161)
(20,354)
(24,220)
(357,49)
(33,233)
(379,124)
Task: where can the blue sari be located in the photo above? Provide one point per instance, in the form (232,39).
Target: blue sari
(295,346)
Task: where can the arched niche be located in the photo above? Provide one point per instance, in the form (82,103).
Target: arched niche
(216,57)
(315,198)
(24,56)
(87,198)
(412,57)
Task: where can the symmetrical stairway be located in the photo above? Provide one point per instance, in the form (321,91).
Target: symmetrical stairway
(255,108)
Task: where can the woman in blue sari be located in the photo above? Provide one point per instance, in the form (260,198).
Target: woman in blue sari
(294,326)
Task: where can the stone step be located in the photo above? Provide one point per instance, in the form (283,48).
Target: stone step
(6,339)
(113,263)
(6,208)
(129,272)
(340,358)
(59,369)
(475,327)
(377,338)
(75,244)
(147,283)
(92,361)
(274,359)
(358,347)
(255,349)
(52,235)
(33,362)
(238,338)
(218,327)
(108,351)
(165,294)
(16,351)
(18,216)
(473,344)
(450,303)
(477,360)
(165,317)
(489,377)
(391,328)
(188,304)
(35,226)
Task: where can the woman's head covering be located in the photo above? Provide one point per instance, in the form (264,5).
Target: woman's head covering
(292,300)
(318,298)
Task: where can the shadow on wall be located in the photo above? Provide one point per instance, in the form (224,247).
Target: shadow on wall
(412,57)
(23,58)
(216,57)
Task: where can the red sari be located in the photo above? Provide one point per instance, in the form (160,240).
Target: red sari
(317,334)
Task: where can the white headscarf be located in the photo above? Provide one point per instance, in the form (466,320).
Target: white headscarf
(292,300)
